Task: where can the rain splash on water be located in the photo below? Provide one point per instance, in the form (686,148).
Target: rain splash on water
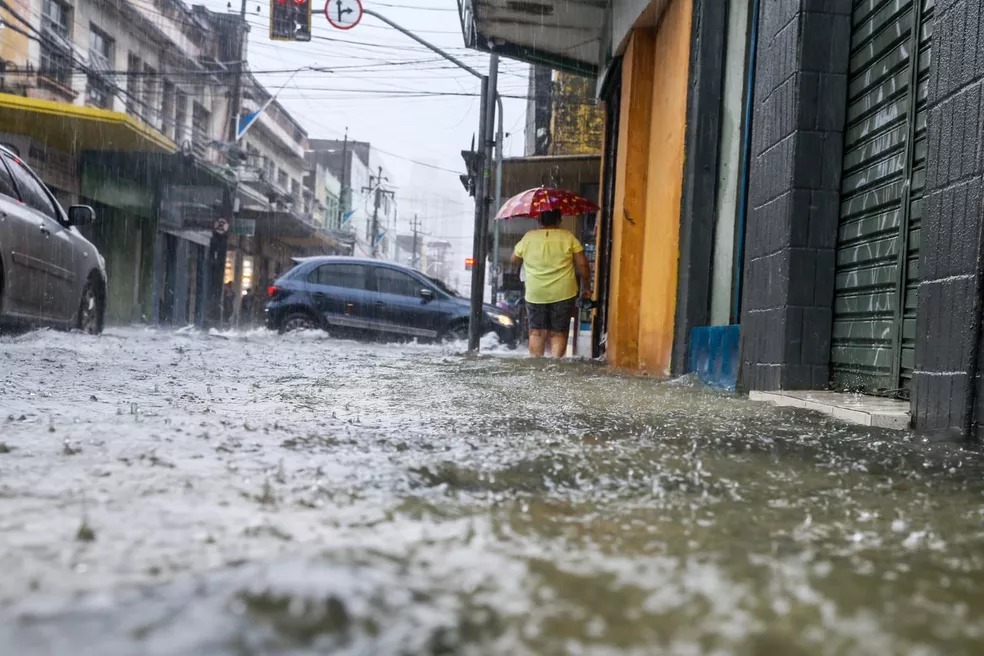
(246,493)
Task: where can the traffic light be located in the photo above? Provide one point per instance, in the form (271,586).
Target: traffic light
(469,179)
(290,20)
(469,263)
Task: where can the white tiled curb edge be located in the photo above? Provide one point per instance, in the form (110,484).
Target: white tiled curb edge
(852,408)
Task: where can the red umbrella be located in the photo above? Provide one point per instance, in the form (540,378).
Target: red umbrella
(533,202)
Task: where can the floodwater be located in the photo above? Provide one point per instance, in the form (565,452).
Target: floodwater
(184,493)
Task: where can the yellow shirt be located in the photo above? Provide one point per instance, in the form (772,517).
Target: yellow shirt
(548,257)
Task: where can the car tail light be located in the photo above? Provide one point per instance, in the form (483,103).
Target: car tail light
(272,291)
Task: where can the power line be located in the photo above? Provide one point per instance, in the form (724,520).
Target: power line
(73,62)
(414,7)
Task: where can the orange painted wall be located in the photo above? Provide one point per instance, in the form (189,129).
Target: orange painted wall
(667,142)
(648,189)
(629,215)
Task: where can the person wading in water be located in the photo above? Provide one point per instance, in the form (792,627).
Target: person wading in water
(554,261)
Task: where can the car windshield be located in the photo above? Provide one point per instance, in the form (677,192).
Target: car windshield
(440,284)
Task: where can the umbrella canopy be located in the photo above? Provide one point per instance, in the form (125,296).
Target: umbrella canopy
(533,202)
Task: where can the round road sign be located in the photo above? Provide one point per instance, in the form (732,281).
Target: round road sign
(220,227)
(343,14)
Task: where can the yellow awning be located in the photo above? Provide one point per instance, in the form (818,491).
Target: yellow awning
(73,128)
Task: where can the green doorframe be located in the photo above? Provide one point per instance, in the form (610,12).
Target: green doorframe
(922,15)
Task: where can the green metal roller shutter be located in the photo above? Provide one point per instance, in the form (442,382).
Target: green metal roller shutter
(881,196)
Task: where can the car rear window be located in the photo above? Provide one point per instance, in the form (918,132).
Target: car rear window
(350,276)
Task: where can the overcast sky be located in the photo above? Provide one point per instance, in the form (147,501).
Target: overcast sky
(396,94)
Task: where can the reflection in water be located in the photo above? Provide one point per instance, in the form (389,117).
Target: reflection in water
(250,494)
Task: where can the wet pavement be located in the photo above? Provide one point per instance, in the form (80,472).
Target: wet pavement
(183,493)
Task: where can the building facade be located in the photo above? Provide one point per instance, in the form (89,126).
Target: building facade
(358,169)
(116,105)
(797,181)
(126,107)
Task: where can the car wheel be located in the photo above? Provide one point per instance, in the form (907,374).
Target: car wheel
(456,333)
(91,308)
(297,321)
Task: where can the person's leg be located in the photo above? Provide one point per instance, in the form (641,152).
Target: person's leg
(560,326)
(539,319)
(538,342)
(558,344)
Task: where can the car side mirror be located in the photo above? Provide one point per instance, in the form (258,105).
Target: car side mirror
(80,215)
(427,295)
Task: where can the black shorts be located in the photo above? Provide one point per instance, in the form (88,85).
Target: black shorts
(555,317)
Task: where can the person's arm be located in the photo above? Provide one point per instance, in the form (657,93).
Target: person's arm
(518,252)
(583,270)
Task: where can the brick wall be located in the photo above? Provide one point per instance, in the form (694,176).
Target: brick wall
(791,234)
(950,259)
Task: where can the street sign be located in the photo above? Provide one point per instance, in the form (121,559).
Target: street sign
(343,14)
(243,227)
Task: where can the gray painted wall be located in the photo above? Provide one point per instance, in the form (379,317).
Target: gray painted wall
(951,253)
(791,234)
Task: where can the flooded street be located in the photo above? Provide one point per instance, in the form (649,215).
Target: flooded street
(243,493)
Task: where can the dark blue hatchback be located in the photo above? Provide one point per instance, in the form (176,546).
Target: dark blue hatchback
(371,298)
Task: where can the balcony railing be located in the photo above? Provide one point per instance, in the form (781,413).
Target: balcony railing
(99,64)
(56,35)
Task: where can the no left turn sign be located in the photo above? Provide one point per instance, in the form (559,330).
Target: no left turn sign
(220,227)
(343,14)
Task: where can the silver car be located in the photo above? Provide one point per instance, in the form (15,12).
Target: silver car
(49,273)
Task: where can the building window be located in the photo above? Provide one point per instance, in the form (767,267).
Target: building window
(295,191)
(100,86)
(331,212)
(180,118)
(133,71)
(282,179)
(150,100)
(167,110)
(56,48)
(201,120)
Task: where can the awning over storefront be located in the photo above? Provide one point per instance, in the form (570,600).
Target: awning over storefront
(189,192)
(562,34)
(279,224)
(572,172)
(73,128)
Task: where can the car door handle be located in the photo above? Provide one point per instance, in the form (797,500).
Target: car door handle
(45,231)
(318,295)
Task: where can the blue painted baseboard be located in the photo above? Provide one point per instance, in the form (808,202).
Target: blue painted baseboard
(714,355)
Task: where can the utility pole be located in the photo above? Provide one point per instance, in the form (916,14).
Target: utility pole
(496,206)
(415,256)
(345,171)
(378,189)
(482,187)
(219,242)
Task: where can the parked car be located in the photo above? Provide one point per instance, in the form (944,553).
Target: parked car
(361,297)
(50,275)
